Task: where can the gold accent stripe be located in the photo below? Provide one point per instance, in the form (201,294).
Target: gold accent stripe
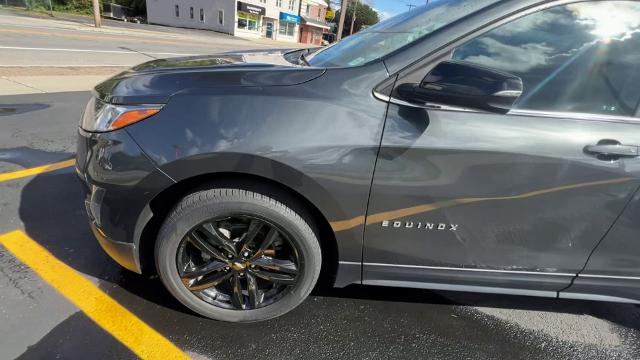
(347,224)
(36,170)
(127,328)
(420,209)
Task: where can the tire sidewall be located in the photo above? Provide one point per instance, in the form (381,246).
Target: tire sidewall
(187,217)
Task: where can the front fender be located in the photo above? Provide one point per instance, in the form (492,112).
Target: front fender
(320,139)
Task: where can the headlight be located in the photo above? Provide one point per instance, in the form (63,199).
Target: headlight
(100,116)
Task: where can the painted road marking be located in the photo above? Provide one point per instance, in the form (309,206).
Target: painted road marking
(132,332)
(94,51)
(36,170)
(118,37)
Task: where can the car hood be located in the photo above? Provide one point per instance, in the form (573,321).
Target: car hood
(230,60)
(156,81)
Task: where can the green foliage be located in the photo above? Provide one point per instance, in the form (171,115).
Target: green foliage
(74,6)
(365,16)
(82,6)
(139,5)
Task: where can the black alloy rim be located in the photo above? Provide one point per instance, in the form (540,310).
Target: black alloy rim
(238,262)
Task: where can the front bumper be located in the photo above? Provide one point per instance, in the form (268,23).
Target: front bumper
(120,183)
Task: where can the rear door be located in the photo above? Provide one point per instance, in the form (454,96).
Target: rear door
(513,203)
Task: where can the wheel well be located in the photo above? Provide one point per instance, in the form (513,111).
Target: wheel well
(162,204)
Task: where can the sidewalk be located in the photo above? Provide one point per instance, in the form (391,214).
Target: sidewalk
(38,80)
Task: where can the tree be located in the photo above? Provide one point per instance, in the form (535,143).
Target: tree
(139,5)
(85,6)
(365,16)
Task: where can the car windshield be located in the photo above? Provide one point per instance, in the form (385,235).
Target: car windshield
(390,35)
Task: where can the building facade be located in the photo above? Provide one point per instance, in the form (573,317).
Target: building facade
(313,13)
(273,19)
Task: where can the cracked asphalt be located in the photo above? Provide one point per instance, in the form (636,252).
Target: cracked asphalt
(356,322)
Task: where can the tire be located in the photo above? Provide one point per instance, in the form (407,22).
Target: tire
(197,208)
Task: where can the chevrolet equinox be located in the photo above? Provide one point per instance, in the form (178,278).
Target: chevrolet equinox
(485,146)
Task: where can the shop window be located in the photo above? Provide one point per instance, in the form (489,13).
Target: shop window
(247,21)
(202,15)
(287,28)
(177,10)
(220,17)
(191,12)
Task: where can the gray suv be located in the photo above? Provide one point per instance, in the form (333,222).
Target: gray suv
(487,146)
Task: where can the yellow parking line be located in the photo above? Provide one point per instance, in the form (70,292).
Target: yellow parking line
(36,170)
(143,340)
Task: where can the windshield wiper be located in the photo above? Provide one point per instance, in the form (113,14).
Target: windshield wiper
(303,59)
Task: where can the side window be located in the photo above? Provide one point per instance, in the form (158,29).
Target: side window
(582,57)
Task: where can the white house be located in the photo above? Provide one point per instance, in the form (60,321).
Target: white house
(274,19)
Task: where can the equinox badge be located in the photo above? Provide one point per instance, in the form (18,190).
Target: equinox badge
(420,225)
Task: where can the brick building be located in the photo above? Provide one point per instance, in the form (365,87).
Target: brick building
(313,25)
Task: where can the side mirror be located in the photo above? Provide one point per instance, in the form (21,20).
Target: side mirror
(466,85)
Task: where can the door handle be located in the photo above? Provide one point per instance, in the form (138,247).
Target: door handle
(612,149)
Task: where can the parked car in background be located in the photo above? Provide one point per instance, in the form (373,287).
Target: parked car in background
(136,19)
(117,12)
(486,146)
(328,38)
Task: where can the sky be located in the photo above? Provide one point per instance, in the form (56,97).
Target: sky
(388,8)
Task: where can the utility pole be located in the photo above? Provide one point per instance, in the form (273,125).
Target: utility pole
(50,9)
(96,13)
(300,26)
(353,17)
(343,13)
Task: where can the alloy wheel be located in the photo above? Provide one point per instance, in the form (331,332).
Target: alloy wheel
(238,262)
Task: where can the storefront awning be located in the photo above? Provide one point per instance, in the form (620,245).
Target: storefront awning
(315,23)
(251,9)
(289,18)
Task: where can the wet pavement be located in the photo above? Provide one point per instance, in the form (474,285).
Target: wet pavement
(358,322)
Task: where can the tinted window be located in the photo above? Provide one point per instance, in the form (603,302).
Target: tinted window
(582,57)
(395,33)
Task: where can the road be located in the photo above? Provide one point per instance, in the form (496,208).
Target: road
(36,41)
(39,320)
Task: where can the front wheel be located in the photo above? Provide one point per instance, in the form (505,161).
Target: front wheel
(235,255)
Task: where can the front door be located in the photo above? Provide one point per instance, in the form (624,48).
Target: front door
(269,30)
(514,201)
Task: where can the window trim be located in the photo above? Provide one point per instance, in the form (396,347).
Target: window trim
(431,60)
(560,115)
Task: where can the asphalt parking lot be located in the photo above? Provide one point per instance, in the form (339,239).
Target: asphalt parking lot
(38,318)
(62,297)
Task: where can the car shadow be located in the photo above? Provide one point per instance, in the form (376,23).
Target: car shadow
(52,210)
